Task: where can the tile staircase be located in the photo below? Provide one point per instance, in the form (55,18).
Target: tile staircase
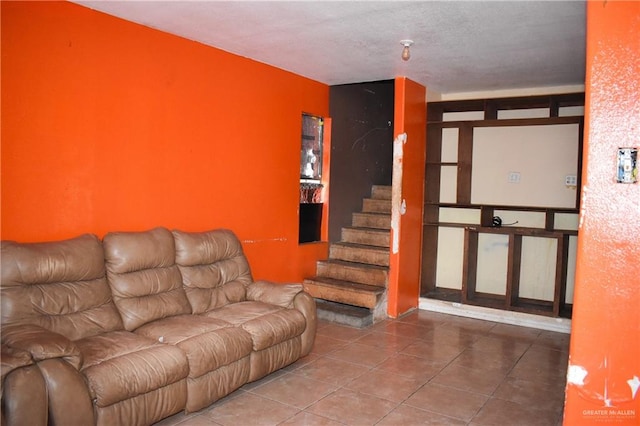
(351,286)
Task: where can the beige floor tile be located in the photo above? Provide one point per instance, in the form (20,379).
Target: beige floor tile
(296,390)
(472,380)
(441,353)
(500,412)
(175,419)
(452,334)
(518,333)
(352,408)
(447,401)
(542,364)
(199,420)
(325,344)
(302,361)
(405,415)
(425,318)
(331,370)
(478,360)
(500,346)
(546,356)
(386,340)
(308,419)
(268,378)
(358,353)
(414,331)
(537,395)
(470,324)
(410,366)
(384,385)
(550,339)
(343,332)
(537,371)
(250,410)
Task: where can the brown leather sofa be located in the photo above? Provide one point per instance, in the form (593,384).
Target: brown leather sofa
(141,325)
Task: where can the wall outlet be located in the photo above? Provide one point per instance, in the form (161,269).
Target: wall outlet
(571,180)
(514,177)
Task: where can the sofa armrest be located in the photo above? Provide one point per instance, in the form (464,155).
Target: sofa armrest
(41,343)
(275,294)
(23,391)
(290,296)
(307,305)
(11,359)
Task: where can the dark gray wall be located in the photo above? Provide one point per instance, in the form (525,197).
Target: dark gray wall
(361,147)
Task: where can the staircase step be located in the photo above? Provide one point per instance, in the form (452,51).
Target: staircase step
(359,253)
(354,272)
(376,205)
(371,220)
(367,236)
(340,313)
(381,191)
(346,292)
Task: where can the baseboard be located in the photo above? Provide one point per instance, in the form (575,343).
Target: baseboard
(560,325)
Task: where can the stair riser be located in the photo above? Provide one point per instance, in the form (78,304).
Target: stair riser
(363,275)
(381,192)
(340,296)
(376,205)
(361,236)
(376,221)
(359,255)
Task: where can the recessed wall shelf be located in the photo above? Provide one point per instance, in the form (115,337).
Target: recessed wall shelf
(450,204)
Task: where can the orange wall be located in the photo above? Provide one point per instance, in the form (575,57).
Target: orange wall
(605,336)
(410,116)
(111,126)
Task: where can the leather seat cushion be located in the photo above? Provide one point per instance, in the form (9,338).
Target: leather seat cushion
(267,324)
(208,343)
(121,365)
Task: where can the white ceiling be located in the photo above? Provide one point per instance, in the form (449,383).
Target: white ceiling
(460,46)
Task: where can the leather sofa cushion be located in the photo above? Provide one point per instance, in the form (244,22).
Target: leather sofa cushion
(214,270)
(267,324)
(209,343)
(121,365)
(144,279)
(60,286)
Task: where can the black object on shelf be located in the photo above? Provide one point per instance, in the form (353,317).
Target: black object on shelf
(310,222)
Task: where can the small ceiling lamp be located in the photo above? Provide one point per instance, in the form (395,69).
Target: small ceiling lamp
(406,54)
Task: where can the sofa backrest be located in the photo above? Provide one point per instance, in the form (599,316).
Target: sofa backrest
(143,276)
(60,286)
(214,270)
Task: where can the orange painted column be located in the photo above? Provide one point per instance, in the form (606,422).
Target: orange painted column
(604,368)
(410,115)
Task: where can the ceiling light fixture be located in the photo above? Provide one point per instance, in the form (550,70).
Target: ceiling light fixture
(406,54)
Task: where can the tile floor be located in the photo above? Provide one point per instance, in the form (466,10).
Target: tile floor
(423,369)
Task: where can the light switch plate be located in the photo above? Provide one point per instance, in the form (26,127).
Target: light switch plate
(627,171)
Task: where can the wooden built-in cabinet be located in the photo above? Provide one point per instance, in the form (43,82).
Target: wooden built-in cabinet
(454,169)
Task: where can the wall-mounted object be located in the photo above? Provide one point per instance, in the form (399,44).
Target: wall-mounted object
(311,147)
(627,165)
